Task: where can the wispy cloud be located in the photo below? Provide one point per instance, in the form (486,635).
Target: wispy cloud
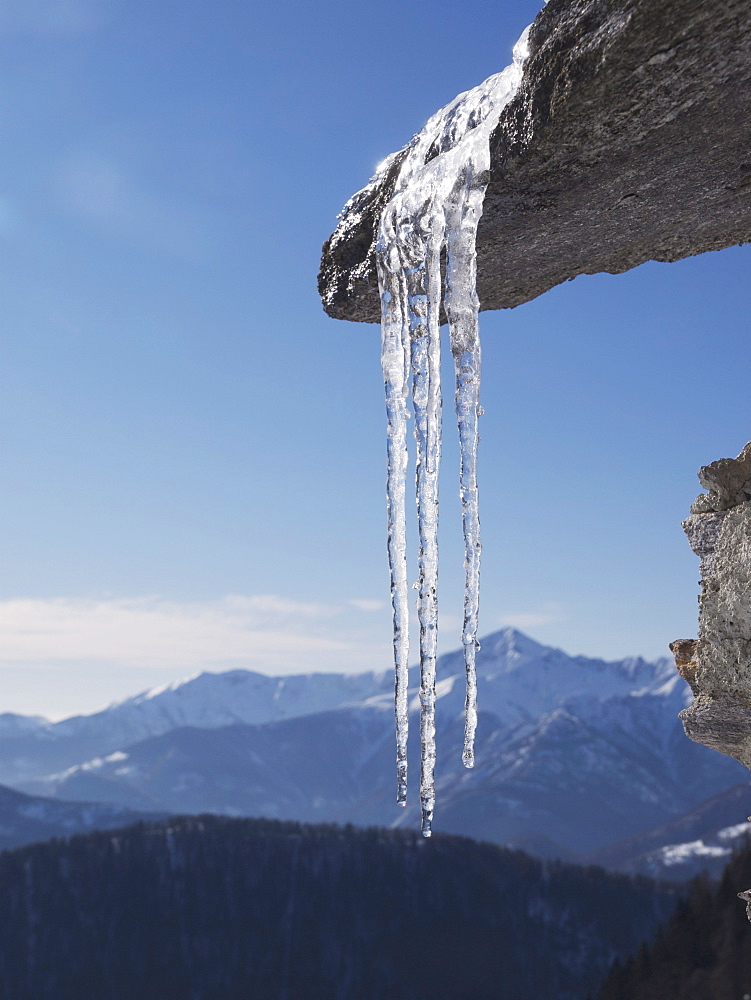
(266,632)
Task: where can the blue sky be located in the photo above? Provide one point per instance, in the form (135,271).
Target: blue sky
(193,453)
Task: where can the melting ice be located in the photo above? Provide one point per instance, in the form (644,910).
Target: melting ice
(435,208)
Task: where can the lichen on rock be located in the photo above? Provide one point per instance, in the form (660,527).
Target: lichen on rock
(684,651)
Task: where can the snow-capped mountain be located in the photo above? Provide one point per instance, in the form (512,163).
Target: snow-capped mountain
(573,753)
(587,773)
(565,787)
(520,680)
(32,747)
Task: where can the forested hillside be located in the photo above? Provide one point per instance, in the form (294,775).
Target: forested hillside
(704,952)
(211,908)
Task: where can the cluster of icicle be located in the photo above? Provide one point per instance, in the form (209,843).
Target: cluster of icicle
(435,208)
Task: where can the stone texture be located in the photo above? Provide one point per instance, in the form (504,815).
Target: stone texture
(686,664)
(728,481)
(629,140)
(718,666)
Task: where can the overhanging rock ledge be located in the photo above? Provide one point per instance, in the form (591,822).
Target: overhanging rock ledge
(629,140)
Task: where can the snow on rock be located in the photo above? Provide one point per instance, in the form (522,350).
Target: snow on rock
(631,123)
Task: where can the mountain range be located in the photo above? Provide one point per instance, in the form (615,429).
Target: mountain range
(31,747)
(575,756)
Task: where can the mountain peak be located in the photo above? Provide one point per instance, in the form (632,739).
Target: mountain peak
(510,642)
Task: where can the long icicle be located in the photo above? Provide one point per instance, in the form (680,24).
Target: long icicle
(395,364)
(423,296)
(437,195)
(462,308)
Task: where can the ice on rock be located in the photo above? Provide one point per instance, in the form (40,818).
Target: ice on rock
(435,208)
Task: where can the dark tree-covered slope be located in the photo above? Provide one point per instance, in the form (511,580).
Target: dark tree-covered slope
(212,908)
(703,953)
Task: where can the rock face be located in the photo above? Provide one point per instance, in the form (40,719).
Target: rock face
(718,665)
(629,140)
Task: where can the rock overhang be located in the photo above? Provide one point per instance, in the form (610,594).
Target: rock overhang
(629,140)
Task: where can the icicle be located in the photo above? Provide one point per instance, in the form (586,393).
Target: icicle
(462,307)
(437,202)
(424,283)
(395,362)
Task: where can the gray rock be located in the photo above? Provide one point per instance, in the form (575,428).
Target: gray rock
(703,532)
(728,481)
(720,662)
(629,140)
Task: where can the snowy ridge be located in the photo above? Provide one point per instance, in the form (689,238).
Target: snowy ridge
(577,754)
(205,700)
(521,680)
